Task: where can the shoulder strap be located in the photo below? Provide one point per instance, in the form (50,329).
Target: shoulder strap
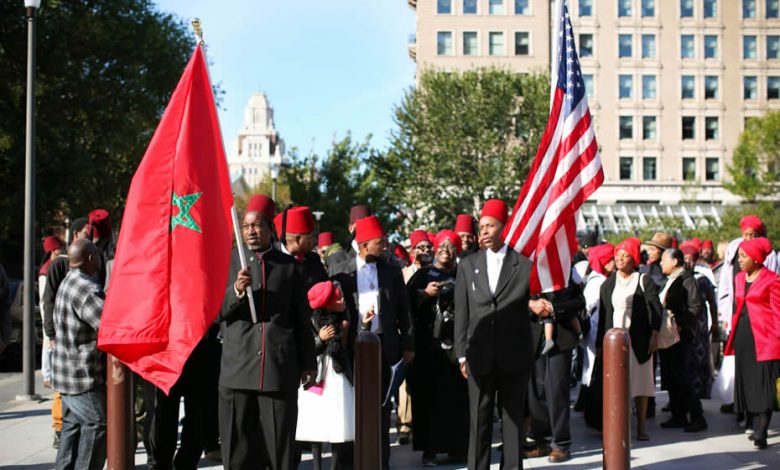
(642,282)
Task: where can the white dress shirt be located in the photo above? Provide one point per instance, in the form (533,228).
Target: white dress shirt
(368,292)
(495,260)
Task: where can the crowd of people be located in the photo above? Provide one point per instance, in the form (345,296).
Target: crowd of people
(455,317)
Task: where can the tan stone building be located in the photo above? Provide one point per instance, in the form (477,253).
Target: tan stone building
(670,82)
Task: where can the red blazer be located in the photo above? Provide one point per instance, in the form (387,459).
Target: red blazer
(763,300)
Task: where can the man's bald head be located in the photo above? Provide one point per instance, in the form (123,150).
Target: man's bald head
(83,255)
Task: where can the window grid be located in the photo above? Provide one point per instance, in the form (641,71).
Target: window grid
(649,169)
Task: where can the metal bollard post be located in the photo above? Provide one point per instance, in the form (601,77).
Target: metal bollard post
(368,402)
(120,420)
(617,444)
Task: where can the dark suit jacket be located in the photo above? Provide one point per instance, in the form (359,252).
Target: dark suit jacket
(397,327)
(268,356)
(684,300)
(312,269)
(493,330)
(568,304)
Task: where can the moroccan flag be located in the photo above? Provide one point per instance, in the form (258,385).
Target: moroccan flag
(173,253)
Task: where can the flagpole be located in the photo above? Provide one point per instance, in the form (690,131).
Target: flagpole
(197,28)
(554,43)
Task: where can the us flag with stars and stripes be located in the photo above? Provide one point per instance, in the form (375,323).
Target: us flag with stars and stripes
(565,172)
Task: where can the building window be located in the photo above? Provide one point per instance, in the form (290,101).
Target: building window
(748,8)
(626,168)
(470,43)
(710,46)
(710,8)
(773,47)
(710,128)
(649,169)
(686,8)
(444,7)
(687,87)
(648,46)
(469,7)
(585,8)
(772,8)
(587,79)
(688,127)
(750,87)
(522,43)
(625,86)
(689,168)
(626,127)
(444,43)
(712,169)
(586,45)
(749,48)
(773,88)
(496,43)
(522,7)
(710,87)
(686,46)
(496,7)
(649,131)
(624,45)
(648,87)
(624,7)
(648,8)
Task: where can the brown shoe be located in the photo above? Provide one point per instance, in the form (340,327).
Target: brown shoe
(558,456)
(536,452)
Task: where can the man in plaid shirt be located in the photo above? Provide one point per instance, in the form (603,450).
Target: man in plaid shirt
(78,368)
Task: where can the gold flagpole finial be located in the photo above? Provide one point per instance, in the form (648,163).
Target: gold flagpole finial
(198,30)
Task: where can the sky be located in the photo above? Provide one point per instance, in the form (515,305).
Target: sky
(327,66)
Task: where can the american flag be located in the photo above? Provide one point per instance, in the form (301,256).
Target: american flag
(566,171)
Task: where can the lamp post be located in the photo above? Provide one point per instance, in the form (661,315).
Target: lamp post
(28,328)
(274,175)
(317,216)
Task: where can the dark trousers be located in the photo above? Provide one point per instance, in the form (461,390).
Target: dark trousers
(211,431)
(257,429)
(341,455)
(682,401)
(162,417)
(482,394)
(548,399)
(386,410)
(83,436)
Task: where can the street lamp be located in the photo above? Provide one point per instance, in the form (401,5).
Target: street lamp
(274,175)
(28,327)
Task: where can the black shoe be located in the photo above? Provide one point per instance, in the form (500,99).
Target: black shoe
(760,444)
(727,408)
(674,423)
(697,425)
(403,438)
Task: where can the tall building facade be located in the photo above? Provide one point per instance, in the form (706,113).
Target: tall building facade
(257,149)
(670,83)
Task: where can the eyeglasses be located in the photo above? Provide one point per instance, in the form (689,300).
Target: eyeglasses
(422,247)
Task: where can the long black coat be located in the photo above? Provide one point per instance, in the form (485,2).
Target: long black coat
(568,304)
(268,356)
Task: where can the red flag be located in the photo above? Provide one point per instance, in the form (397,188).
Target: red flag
(173,253)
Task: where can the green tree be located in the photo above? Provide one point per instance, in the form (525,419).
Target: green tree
(459,138)
(106,69)
(755,168)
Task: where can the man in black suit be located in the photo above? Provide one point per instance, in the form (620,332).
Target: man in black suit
(295,227)
(376,300)
(493,338)
(263,362)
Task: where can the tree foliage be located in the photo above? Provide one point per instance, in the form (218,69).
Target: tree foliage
(460,138)
(755,168)
(105,71)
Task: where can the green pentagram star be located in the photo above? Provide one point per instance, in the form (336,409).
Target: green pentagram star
(183,218)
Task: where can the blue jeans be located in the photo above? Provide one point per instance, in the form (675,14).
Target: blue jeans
(83,438)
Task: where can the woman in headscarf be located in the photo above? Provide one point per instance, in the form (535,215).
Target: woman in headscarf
(441,404)
(754,337)
(682,300)
(629,300)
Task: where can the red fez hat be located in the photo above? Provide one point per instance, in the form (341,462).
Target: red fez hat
(262,204)
(322,294)
(450,235)
(707,244)
(689,247)
(401,253)
(325,239)
(464,223)
(417,237)
(599,256)
(100,222)
(368,228)
(51,243)
(631,246)
(278,225)
(299,220)
(358,212)
(751,221)
(757,249)
(431,236)
(495,208)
